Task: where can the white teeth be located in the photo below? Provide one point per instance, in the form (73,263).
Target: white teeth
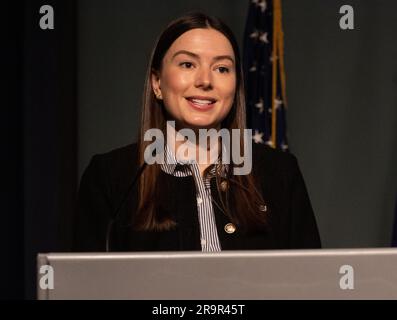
(198,101)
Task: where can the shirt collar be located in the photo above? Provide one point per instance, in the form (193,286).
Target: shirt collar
(181,168)
(171,164)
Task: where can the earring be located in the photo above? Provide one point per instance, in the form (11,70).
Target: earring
(158,95)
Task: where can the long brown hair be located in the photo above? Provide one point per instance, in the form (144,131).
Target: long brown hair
(242,193)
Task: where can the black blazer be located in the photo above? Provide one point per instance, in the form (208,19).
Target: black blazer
(292,224)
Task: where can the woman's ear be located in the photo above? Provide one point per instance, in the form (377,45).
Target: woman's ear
(155,79)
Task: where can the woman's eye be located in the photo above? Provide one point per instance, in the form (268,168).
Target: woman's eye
(187,65)
(223,70)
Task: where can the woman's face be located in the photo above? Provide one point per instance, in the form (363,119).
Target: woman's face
(197,81)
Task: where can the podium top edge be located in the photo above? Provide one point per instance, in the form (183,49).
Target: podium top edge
(222,254)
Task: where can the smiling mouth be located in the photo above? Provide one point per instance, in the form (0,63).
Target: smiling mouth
(201,104)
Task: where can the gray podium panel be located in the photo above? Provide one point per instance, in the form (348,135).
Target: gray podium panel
(284,274)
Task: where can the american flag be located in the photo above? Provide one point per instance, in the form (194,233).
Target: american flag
(264,73)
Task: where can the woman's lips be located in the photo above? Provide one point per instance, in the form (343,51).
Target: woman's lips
(201,105)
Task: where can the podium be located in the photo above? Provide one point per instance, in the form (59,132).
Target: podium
(234,275)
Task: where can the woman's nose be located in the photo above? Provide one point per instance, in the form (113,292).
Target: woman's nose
(203,78)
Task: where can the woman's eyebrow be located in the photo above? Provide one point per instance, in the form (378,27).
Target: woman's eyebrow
(196,56)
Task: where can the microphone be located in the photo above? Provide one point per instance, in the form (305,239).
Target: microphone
(117,211)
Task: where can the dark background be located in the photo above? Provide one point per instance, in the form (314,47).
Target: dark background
(76,90)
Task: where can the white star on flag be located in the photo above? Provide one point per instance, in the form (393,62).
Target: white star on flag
(284,146)
(259,105)
(254,34)
(277,103)
(257,137)
(263,5)
(273,58)
(263,37)
(269,143)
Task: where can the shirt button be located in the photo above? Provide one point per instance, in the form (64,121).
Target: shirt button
(230,228)
(199,200)
(224,186)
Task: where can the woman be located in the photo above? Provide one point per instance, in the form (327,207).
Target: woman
(194,80)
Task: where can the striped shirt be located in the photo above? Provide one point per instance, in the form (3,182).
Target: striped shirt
(208,231)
